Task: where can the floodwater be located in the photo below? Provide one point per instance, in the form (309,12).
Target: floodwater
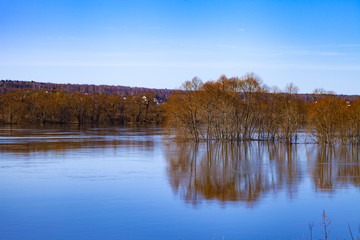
(129,183)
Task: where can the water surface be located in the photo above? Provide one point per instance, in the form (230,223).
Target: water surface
(128,183)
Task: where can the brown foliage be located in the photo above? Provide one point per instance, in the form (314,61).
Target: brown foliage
(237,109)
(60,107)
(328,120)
(234,109)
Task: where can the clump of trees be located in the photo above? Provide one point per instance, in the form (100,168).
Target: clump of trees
(335,120)
(237,109)
(61,107)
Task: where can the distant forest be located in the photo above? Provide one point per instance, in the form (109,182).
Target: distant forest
(9,85)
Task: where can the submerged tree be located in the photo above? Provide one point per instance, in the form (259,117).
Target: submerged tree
(183,110)
(237,109)
(328,120)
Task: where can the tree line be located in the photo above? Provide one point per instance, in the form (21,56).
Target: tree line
(10,85)
(26,106)
(237,109)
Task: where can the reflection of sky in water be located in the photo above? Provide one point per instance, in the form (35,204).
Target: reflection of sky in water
(125,183)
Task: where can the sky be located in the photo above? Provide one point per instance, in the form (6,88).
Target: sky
(163,43)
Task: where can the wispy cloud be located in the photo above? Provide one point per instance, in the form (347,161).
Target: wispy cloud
(240,29)
(63,38)
(340,45)
(194,64)
(227,46)
(315,53)
(109,28)
(274,52)
(153,28)
(330,46)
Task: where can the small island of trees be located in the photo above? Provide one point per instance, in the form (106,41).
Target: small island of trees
(241,109)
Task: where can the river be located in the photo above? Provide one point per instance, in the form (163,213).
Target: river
(132,183)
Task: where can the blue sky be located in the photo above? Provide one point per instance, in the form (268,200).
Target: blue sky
(161,44)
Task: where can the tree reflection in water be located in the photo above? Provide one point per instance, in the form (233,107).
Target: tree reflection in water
(47,139)
(225,172)
(248,171)
(333,167)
